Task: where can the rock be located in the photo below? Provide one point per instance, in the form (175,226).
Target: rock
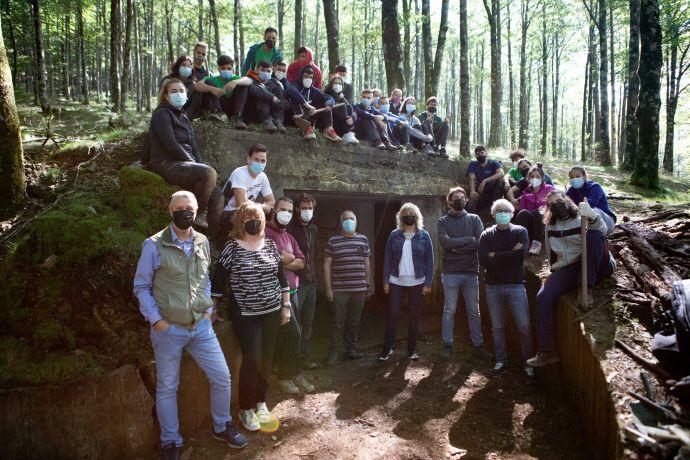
(145,197)
(49,262)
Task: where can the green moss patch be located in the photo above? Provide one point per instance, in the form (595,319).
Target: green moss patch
(145,197)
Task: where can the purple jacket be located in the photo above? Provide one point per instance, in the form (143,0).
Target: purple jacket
(533,201)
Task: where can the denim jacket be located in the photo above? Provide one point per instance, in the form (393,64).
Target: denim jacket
(422,255)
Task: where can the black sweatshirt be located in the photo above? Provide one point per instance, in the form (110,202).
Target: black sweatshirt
(171,136)
(458,234)
(506,266)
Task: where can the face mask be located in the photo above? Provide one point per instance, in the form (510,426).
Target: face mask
(183,219)
(503,218)
(198,59)
(185,71)
(337,89)
(458,204)
(558,210)
(524,172)
(365,102)
(481,158)
(535,182)
(384,108)
(279,75)
(306,214)
(264,76)
(283,217)
(252,227)
(577,182)
(257,168)
(349,225)
(178,99)
(226,74)
(409,108)
(432,109)
(270,44)
(307,82)
(376,100)
(409,220)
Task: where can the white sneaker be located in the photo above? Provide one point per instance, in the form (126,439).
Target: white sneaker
(349,138)
(249,420)
(535,248)
(262,413)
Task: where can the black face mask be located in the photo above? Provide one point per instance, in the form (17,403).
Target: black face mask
(270,44)
(458,204)
(481,158)
(183,219)
(252,227)
(432,109)
(559,210)
(524,172)
(409,220)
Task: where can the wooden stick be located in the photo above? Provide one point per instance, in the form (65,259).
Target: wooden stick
(652,366)
(322,109)
(583,261)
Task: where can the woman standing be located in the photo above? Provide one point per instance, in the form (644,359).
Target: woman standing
(532,202)
(408,268)
(250,272)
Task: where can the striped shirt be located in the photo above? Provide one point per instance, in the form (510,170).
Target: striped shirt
(348,254)
(253,280)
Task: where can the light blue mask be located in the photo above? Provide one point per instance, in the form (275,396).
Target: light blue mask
(178,99)
(365,102)
(349,225)
(503,218)
(226,74)
(577,182)
(257,168)
(376,100)
(409,108)
(384,108)
(264,76)
(185,71)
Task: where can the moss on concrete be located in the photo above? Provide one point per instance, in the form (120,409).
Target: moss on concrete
(145,197)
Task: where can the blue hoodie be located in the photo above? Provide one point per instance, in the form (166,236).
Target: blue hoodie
(596,197)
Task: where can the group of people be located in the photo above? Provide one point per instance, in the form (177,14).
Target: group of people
(274,94)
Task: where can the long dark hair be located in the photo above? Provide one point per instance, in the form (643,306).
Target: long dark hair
(175,69)
(570,205)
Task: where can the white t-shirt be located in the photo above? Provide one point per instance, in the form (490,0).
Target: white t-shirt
(253,186)
(406,276)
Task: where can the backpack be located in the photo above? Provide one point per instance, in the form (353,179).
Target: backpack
(671,345)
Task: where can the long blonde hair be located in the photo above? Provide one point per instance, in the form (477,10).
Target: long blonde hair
(409,207)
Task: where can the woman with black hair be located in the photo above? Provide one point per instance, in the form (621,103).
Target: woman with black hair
(183,70)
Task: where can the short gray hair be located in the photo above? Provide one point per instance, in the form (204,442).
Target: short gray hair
(502,205)
(183,194)
(347,211)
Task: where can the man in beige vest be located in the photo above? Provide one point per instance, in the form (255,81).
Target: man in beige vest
(174,291)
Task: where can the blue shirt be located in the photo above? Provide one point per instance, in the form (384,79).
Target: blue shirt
(481,172)
(596,197)
(149,262)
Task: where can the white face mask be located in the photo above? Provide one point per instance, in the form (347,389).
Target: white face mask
(535,182)
(307,82)
(337,88)
(279,75)
(283,217)
(306,214)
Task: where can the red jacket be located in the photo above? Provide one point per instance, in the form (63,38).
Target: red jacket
(295,67)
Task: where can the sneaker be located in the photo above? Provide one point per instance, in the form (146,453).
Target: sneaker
(201,219)
(529,372)
(302,383)
(249,420)
(385,354)
(231,436)
(262,413)
(499,368)
(412,356)
(214,117)
(535,248)
(543,358)
(279,126)
(331,135)
(400,147)
(427,150)
(170,452)
(446,351)
(238,123)
(381,146)
(269,126)
(308,133)
(288,386)
(350,138)
(388,144)
(354,354)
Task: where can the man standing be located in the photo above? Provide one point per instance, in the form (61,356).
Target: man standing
(484,177)
(346,275)
(265,51)
(458,233)
(433,124)
(174,292)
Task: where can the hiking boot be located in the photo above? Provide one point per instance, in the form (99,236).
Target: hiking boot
(269,126)
(302,383)
(427,150)
(333,359)
(529,373)
(331,135)
(214,117)
(543,358)
(588,303)
(249,420)
(279,126)
(385,354)
(170,452)
(388,144)
(288,386)
(354,354)
(535,248)
(498,369)
(262,413)
(442,152)
(237,122)
(350,138)
(446,351)
(381,146)
(412,355)
(201,219)
(231,436)
(308,133)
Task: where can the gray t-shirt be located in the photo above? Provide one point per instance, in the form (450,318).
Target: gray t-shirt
(348,254)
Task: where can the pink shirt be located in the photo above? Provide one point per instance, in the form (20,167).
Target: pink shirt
(533,201)
(286,242)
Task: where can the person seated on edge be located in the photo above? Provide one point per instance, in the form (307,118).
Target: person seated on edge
(513,175)
(226,92)
(395,101)
(287,350)
(434,125)
(200,70)
(392,122)
(304,57)
(265,51)
(562,219)
(174,156)
(407,137)
(245,183)
(280,77)
(484,178)
(182,70)
(515,192)
(348,92)
(174,264)
(369,126)
(581,188)
(305,100)
(375,96)
(502,251)
(265,104)
(343,116)
(532,205)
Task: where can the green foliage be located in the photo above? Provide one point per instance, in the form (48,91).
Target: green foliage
(50,334)
(145,197)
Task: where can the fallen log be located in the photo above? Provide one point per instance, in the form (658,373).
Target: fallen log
(656,260)
(645,277)
(663,215)
(657,238)
(644,362)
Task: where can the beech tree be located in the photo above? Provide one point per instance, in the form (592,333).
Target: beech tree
(493,13)
(390,39)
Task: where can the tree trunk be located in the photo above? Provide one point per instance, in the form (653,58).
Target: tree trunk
(148,87)
(13,41)
(40,65)
(298,26)
(612,68)
(419,57)
(168,32)
(390,40)
(236,34)
(67,55)
(216,33)
(511,84)
(200,24)
(281,24)
(82,58)
(426,45)
(646,172)
(238,12)
(330,15)
(127,54)
(585,114)
(603,146)
(493,13)
(556,56)
(115,55)
(316,31)
(407,68)
(480,99)
(631,133)
(432,82)
(525,21)
(137,60)
(544,84)
(671,102)
(464,84)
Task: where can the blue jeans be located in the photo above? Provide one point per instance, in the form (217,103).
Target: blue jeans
(202,345)
(396,298)
(452,284)
(513,296)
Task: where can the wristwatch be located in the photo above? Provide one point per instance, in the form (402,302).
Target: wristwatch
(287,305)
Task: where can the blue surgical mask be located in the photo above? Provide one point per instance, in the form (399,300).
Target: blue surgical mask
(349,225)
(577,182)
(264,76)
(226,74)
(178,99)
(365,102)
(503,218)
(376,100)
(384,108)
(409,108)
(257,168)
(185,71)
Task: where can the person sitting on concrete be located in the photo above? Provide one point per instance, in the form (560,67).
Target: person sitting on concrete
(458,234)
(434,125)
(267,100)
(502,251)
(305,231)
(395,101)
(200,70)
(369,126)
(484,177)
(264,51)
(343,116)
(250,274)
(408,270)
(348,92)
(287,353)
(515,192)
(304,57)
(347,275)
(564,236)
(375,96)
(224,93)
(532,205)
(582,189)
(174,156)
(182,70)
(383,109)
(513,175)
(174,264)
(305,100)
(245,183)
(408,137)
